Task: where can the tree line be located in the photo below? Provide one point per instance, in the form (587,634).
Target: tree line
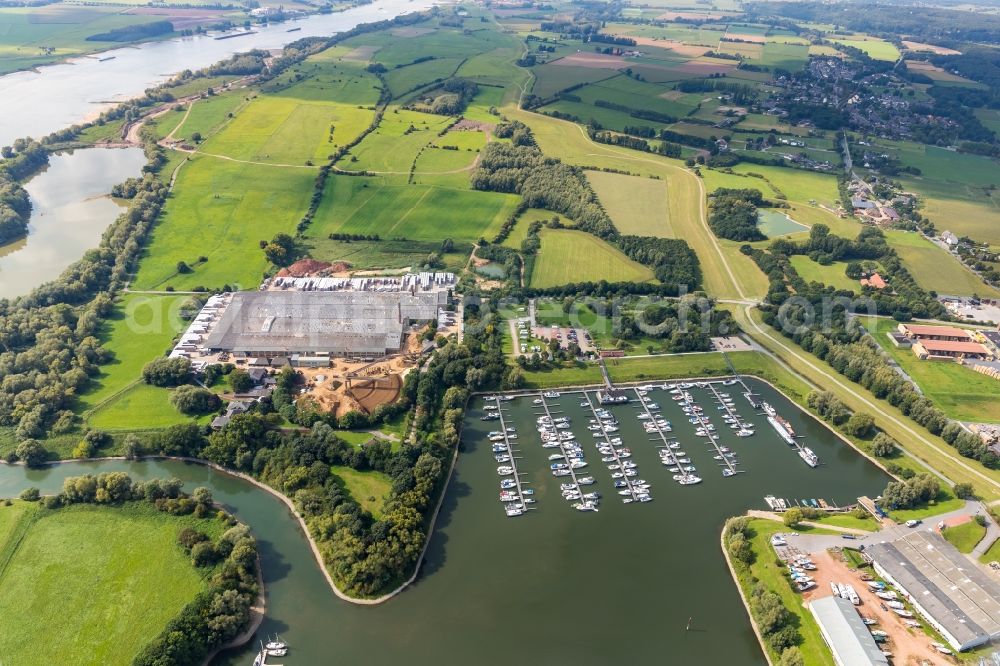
(732,214)
(21,160)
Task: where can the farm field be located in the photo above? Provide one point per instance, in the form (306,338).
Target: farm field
(961,392)
(231,207)
(392,147)
(208,115)
(685,199)
(831,275)
(796,184)
(875,48)
(935,269)
(141,328)
(637,206)
(576,256)
(354,205)
(88,580)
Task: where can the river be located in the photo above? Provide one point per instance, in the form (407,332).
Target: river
(70,209)
(555,586)
(38,102)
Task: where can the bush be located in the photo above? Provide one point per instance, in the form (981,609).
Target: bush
(203,554)
(884,446)
(167,371)
(30,452)
(861,424)
(30,494)
(964,491)
(792,517)
(194,400)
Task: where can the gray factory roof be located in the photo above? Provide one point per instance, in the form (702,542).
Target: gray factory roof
(849,639)
(956,593)
(330,321)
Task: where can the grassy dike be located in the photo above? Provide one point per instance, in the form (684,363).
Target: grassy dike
(759,569)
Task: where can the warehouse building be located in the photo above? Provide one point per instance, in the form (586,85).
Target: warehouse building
(950,591)
(318,324)
(921,332)
(949,349)
(849,639)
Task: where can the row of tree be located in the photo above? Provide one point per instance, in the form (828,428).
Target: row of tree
(15,205)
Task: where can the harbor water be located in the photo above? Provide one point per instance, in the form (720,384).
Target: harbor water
(70,209)
(555,586)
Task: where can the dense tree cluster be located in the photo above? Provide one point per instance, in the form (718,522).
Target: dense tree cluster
(455,95)
(167,371)
(673,261)
(15,206)
(194,400)
(910,493)
(133,33)
(48,343)
(543,182)
(732,214)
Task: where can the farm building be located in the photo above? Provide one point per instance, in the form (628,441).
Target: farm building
(875,281)
(918,332)
(950,591)
(849,639)
(311,325)
(947,349)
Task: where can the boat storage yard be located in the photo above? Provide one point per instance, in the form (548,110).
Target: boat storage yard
(576,427)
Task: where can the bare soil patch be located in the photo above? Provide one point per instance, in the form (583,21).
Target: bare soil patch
(591,60)
(929,48)
(181,18)
(411,31)
(743,37)
(361,53)
(680,48)
(705,67)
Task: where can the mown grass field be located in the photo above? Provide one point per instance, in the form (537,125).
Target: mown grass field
(221,210)
(91,584)
(832,275)
(961,392)
(637,206)
(141,328)
(209,115)
(139,407)
(369,489)
(964,537)
(935,269)
(415,212)
(875,48)
(394,145)
(567,256)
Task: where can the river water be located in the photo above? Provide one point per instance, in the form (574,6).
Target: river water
(70,209)
(555,586)
(36,103)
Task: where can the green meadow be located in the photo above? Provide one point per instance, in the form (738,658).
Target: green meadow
(567,256)
(831,275)
(637,206)
(935,269)
(369,489)
(88,580)
(221,210)
(393,147)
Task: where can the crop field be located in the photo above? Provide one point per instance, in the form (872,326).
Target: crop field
(394,145)
(715,179)
(639,96)
(449,168)
(576,256)
(637,206)
(369,489)
(875,48)
(361,206)
(141,328)
(551,78)
(831,275)
(94,581)
(935,269)
(226,208)
(961,392)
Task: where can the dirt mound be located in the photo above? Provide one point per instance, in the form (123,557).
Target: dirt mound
(370,393)
(311,267)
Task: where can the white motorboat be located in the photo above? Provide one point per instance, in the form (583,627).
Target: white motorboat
(585,480)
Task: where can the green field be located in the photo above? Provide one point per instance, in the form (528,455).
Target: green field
(935,269)
(139,407)
(369,489)
(88,584)
(831,275)
(221,210)
(875,48)
(551,78)
(209,115)
(637,206)
(393,147)
(24,31)
(140,329)
(414,212)
(964,537)
(961,392)
(576,256)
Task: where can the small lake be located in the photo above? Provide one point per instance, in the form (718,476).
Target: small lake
(775,223)
(555,586)
(70,209)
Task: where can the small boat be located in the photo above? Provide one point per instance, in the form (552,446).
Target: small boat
(585,506)
(941,648)
(902,612)
(585,480)
(276,644)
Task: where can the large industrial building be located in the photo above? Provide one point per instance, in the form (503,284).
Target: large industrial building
(950,591)
(352,324)
(849,639)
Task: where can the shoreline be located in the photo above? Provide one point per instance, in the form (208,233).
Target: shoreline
(743,597)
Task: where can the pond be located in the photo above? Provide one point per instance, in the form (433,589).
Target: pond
(70,209)
(775,223)
(555,586)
